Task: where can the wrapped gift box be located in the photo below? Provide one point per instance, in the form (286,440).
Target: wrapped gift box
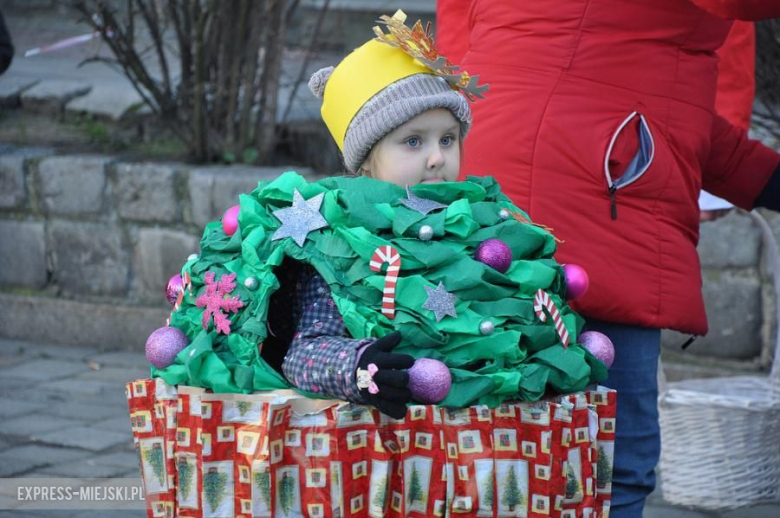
(282,455)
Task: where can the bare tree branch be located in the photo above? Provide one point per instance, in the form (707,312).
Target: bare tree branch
(131,21)
(228,51)
(185,54)
(250,80)
(149,13)
(291,10)
(112,34)
(265,133)
(200,124)
(113,63)
(237,62)
(302,73)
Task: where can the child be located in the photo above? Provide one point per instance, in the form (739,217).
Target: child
(408,132)
(341,284)
(397,121)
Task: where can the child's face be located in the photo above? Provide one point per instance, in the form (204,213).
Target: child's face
(425,149)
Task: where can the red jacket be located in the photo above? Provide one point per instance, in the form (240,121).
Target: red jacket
(736,75)
(563,81)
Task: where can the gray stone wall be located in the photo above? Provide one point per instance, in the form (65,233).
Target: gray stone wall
(738,293)
(92,230)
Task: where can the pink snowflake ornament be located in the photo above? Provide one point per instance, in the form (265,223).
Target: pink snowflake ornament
(215,301)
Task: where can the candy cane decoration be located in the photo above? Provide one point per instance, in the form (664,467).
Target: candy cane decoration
(541,301)
(387,254)
(186,284)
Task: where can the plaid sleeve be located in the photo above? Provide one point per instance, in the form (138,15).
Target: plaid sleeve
(322,358)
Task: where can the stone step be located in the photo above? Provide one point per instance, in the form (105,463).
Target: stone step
(105,101)
(103,326)
(11,90)
(348,23)
(51,95)
(377,6)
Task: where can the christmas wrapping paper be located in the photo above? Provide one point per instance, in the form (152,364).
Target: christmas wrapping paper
(189,452)
(153,409)
(280,454)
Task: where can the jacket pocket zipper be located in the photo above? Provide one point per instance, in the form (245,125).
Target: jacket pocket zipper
(638,165)
(613,200)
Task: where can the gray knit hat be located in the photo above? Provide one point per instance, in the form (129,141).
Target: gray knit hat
(394,105)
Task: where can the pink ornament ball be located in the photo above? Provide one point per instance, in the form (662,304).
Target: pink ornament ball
(175,286)
(494,253)
(230,220)
(429,380)
(163,345)
(599,346)
(577,281)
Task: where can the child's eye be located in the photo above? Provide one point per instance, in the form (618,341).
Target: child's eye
(413,142)
(447,141)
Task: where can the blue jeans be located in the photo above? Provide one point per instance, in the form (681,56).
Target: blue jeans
(638,436)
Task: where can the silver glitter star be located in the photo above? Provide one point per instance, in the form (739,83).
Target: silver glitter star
(421,205)
(300,219)
(440,301)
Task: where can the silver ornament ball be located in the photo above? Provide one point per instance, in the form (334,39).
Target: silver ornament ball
(486,327)
(426,232)
(503,214)
(251,283)
(192,257)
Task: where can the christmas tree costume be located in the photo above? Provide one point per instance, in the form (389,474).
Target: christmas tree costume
(333,287)
(448,304)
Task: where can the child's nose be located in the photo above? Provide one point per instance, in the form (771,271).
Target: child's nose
(436,158)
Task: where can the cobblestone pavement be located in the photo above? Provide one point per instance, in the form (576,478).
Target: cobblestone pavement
(63,413)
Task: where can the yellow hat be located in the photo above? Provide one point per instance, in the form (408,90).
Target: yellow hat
(386,82)
(359,77)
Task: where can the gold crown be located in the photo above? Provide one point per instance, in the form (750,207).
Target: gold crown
(419,44)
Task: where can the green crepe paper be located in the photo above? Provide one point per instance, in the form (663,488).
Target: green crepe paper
(522,359)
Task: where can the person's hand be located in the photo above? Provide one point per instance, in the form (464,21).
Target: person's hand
(712,215)
(382,378)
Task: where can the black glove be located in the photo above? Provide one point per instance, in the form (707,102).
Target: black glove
(390,376)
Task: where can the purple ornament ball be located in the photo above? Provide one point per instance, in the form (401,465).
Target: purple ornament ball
(577,281)
(230,220)
(175,286)
(429,380)
(163,345)
(599,346)
(494,253)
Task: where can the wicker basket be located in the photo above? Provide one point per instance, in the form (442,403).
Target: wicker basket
(720,437)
